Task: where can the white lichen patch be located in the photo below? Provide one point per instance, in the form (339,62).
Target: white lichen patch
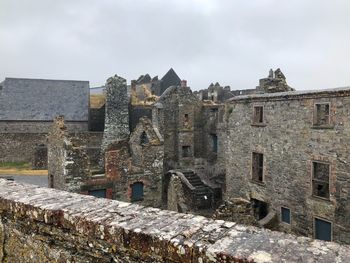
(261,257)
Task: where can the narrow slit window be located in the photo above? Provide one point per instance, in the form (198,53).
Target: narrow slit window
(214,139)
(257,166)
(144,138)
(320,179)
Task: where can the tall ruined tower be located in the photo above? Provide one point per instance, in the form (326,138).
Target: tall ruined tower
(117,114)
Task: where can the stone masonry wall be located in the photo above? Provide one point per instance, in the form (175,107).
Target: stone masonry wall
(68,162)
(39,126)
(19,147)
(117,114)
(48,225)
(290,143)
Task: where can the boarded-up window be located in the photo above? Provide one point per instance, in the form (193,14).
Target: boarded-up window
(258,115)
(137,191)
(321,114)
(257,166)
(320,179)
(186,151)
(323,230)
(285,215)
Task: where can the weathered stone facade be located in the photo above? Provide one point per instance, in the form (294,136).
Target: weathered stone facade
(292,147)
(47,225)
(136,166)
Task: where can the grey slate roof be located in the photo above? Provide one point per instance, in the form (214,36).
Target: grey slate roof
(43,99)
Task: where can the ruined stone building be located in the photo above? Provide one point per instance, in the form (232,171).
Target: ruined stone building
(276,157)
(215,93)
(146,89)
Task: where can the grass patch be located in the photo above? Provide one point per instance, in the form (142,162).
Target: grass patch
(15,165)
(19,168)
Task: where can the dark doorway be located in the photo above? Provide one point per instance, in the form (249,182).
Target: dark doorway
(260,209)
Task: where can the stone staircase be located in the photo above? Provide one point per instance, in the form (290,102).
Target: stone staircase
(202,194)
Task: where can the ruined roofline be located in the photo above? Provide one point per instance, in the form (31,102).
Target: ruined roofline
(61,80)
(336,92)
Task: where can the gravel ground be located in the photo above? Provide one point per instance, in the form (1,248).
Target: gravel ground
(30,179)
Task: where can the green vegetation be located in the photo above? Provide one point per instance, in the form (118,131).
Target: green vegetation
(17,165)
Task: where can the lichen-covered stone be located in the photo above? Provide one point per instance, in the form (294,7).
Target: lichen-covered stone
(48,225)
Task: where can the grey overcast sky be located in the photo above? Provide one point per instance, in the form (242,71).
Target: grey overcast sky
(234,42)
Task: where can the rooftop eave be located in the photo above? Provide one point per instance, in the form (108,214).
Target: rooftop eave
(293,95)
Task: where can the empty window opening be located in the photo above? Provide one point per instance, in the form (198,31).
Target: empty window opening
(144,138)
(321,115)
(137,191)
(258,114)
(186,120)
(214,110)
(257,166)
(214,139)
(320,179)
(285,215)
(323,230)
(186,151)
(100,193)
(260,209)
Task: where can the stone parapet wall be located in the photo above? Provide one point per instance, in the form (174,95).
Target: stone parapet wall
(47,225)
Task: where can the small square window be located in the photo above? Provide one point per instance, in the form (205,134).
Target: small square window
(320,179)
(285,215)
(257,166)
(186,151)
(321,114)
(258,115)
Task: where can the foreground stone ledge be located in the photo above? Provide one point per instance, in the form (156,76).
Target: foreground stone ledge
(42,225)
